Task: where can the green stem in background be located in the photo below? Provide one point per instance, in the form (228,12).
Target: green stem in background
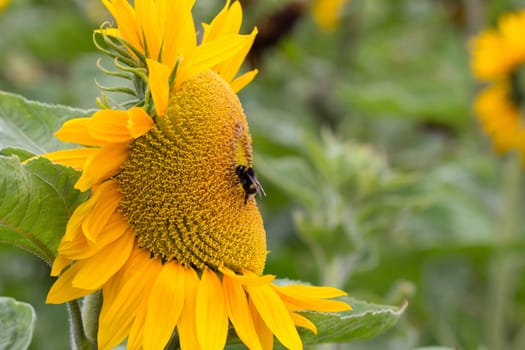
(505,266)
(335,273)
(79,340)
(338,269)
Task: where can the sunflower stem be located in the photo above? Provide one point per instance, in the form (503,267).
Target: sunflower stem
(505,266)
(90,313)
(79,341)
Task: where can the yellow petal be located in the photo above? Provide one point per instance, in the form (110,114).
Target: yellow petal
(228,21)
(302,291)
(264,333)
(239,312)
(159,75)
(212,317)
(97,218)
(165,306)
(187,325)
(139,122)
(59,264)
(139,260)
(123,296)
(116,227)
(234,20)
(76,249)
(110,126)
(229,68)
(302,321)
(74,225)
(239,83)
(148,22)
(75,158)
(301,297)
(272,310)
(81,248)
(124,14)
(103,164)
(63,290)
(136,333)
(315,305)
(77,131)
(208,55)
(96,270)
(179,33)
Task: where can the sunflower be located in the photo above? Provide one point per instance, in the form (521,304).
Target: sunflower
(500,117)
(171,233)
(327,13)
(498,56)
(4,4)
(499,52)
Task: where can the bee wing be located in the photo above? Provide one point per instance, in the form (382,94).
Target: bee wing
(258,186)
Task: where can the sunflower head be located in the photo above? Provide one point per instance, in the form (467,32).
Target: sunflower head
(171,233)
(498,57)
(193,206)
(497,52)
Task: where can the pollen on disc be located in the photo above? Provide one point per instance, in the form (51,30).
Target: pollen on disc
(181,192)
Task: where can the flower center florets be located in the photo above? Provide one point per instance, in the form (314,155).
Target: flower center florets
(181,191)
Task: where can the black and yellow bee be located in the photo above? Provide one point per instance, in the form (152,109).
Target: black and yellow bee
(249,181)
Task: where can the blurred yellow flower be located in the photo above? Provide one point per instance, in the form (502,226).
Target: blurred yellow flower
(4,4)
(500,117)
(327,13)
(498,56)
(171,233)
(498,52)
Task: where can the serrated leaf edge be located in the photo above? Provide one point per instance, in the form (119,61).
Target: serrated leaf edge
(44,104)
(386,309)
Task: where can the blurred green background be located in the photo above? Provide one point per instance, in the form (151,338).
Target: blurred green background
(378,179)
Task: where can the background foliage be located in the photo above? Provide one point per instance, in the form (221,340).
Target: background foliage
(377,176)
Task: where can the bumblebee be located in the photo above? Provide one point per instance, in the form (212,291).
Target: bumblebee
(249,181)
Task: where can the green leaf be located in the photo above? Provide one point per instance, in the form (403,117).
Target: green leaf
(30,125)
(36,201)
(364,321)
(20,153)
(17,321)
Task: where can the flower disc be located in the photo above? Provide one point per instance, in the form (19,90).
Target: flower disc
(180,189)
